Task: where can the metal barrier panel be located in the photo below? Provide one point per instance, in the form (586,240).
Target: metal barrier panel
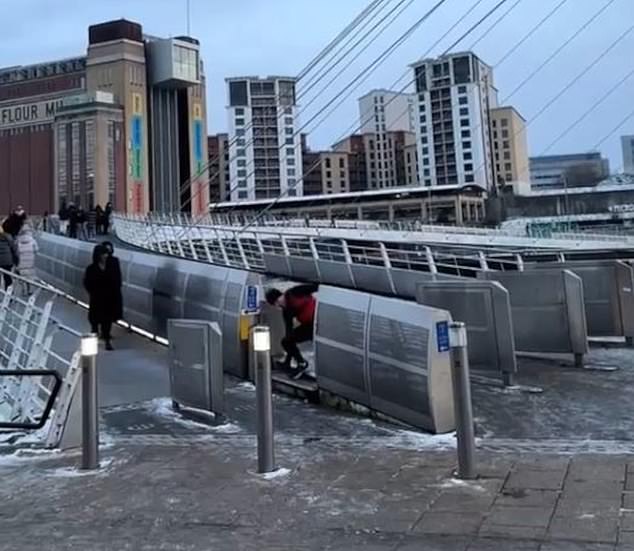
(372,278)
(340,335)
(625,284)
(409,370)
(304,268)
(547,307)
(485,308)
(336,273)
(384,353)
(196,364)
(606,303)
(277,264)
(157,288)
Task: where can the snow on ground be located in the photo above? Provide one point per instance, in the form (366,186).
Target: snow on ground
(163,408)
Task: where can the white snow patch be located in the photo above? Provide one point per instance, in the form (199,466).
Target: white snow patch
(105,465)
(227,428)
(246,385)
(163,408)
(279,473)
(587,516)
(457,483)
(419,441)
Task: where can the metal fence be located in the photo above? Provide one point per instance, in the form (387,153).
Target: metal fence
(27,333)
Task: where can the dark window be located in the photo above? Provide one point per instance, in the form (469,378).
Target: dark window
(468,167)
(423,139)
(461,70)
(468,178)
(342,163)
(509,177)
(504,123)
(507,155)
(505,144)
(466,145)
(494,124)
(464,122)
(242,195)
(425,161)
(327,162)
(238,93)
(463,100)
(508,167)
(465,133)
(421,79)
(425,150)
(505,133)
(462,89)
(468,156)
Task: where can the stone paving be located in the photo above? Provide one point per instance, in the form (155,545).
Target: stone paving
(169,483)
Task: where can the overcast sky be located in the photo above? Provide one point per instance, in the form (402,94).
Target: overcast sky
(261,37)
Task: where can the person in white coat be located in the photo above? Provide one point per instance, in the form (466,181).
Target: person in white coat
(27,249)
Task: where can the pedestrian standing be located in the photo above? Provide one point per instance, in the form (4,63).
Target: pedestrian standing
(91,224)
(82,224)
(64,217)
(106,218)
(9,257)
(100,283)
(27,249)
(72,221)
(100,220)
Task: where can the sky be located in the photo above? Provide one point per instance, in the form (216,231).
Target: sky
(280,37)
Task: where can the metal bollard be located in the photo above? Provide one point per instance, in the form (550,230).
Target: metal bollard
(462,400)
(264,400)
(90,408)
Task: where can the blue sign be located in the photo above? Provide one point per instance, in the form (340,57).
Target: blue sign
(252,299)
(442,336)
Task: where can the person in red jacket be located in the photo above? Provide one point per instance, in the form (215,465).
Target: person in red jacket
(298,304)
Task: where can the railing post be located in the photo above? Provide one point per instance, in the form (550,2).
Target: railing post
(462,400)
(431,261)
(261,339)
(90,408)
(243,255)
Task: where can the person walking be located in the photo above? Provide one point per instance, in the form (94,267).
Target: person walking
(27,249)
(100,283)
(114,266)
(13,224)
(9,257)
(100,215)
(82,223)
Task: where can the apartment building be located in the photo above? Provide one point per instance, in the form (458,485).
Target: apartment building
(384,116)
(334,172)
(264,143)
(510,145)
(571,170)
(454,95)
(410,153)
(219,178)
(354,146)
(627,144)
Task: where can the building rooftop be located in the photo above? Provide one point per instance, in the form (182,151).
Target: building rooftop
(18,73)
(592,156)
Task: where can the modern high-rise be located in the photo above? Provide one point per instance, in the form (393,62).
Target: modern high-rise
(219,179)
(454,95)
(627,143)
(385,116)
(510,146)
(124,123)
(264,143)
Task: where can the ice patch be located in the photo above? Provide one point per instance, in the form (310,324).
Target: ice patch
(457,483)
(246,385)
(419,441)
(163,408)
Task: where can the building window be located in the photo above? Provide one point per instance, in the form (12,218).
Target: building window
(425,150)
(242,183)
(465,133)
(289,131)
(291,192)
(290,161)
(288,120)
(290,172)
(507,155)
(289,141)
(290,151)
(241,152)
(328,162)
(463,100)
(239,122)
(495,134)
(328,174)
(505,133)
(466,145)
(242,162)
(469,178)
(508,167)
(464,111)
(504,123)
(239,111)
(428,183)
(468,167)
(242,173)
(425,161)
(242,195)
(464,122)
(467,156)
(292,182)
(494,123)
(241,142)
(509,177)
(423,139)
(505,144)
(462,89)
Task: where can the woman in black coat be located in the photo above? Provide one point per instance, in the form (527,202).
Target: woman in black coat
(100,280)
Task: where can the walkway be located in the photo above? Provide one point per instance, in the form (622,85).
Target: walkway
(174,483)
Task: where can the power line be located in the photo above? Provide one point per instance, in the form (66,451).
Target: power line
(586,113)
(281,114)
(471,29)
(494,24)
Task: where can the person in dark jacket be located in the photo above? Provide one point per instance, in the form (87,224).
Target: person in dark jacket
(91,223)
(9,257)
(101,285)
(298,305)
(100,219)
(115,267)
(73,221)
(14,223)
(107,214)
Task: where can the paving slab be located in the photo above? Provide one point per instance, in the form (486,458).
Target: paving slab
(527,498)
(449,523)
(535,480)
(538,517)
(588,529)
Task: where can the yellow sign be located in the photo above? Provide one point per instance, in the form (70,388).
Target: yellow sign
(198,111)
(137,104)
